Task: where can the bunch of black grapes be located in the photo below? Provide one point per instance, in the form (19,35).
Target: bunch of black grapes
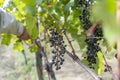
(92,41)
(57,43)
(85,14)
(85,3)
(93,46)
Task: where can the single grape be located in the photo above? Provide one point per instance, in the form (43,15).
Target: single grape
(105,70)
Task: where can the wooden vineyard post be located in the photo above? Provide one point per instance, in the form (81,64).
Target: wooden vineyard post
(39,65)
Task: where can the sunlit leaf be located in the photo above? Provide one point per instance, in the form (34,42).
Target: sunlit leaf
(68,5)
(18,46)
(29,2)
(100,63)
(6,39)
(33,48)
(1,2)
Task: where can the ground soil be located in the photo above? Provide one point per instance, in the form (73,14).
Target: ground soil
(69,71)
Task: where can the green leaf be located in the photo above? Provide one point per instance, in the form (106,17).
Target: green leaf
(30,10)
(18,46)
(68,5)
(31,27)
(29,2)
(67,9)
(81,40)
(33,48)
(85,62)
(65,1)
(6,39)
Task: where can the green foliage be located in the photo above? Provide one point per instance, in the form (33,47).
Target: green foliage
(33,48)
(105,11)
(29,2)
(18,46)
(31,26)
(6,39)
(99,67)
(1,2)
(30,10)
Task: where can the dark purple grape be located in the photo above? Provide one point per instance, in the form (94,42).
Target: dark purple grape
(61,63)
(53,51)
(105,70)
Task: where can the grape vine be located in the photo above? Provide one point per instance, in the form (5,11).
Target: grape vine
(59,13)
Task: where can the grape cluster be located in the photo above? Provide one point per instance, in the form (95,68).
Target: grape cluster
(93,46)
(85,14)
(84,3)
(92,42)
(59,48)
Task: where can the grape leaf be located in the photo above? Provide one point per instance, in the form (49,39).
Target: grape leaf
(33,48)
(29,2)
(68,5)
(6,39)
(101,64)
(31,27)
(18,46)
(30,10)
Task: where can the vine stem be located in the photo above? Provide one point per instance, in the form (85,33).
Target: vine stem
(91,30)
(76,59)
(108,66)
(73,51)
(24,55)
(48,66)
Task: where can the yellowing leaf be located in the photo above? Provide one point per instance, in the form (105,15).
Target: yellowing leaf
(28,41)
(6,39)
(18,46)
(100,63)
